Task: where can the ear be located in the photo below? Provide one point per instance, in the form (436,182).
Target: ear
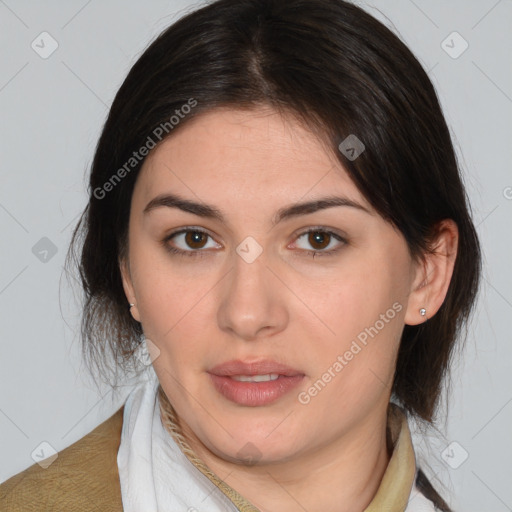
(124,267)
(433,274)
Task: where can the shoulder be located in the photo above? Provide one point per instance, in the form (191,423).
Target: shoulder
(84,476)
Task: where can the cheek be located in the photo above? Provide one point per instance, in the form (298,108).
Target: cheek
(175,316)
(177,313)
(166,292)
(353,296)
(358,320)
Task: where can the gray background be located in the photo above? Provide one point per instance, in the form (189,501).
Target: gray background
(52,111)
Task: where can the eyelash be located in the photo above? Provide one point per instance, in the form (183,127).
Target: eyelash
(200,253)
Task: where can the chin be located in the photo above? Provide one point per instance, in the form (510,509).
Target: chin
(253,454)
(257,445)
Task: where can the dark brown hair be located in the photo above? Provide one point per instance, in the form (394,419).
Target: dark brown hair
(342,72)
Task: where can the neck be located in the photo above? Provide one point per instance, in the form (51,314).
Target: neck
(340,476)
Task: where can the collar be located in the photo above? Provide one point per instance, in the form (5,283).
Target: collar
(158,471)
(393,492)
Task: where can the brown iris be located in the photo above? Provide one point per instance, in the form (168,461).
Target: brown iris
(319,237)
(194,239)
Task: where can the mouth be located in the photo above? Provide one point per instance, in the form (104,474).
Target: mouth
(254,384)
(255,378)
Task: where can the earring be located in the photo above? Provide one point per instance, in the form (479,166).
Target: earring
(423,311)
(131,305)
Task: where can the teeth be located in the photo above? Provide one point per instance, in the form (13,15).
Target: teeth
(256,378)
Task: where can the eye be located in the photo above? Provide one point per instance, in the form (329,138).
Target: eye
(190,241)
(321,239)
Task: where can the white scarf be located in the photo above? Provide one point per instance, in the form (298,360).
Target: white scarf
(156,476)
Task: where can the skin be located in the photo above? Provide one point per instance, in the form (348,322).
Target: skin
(285,305)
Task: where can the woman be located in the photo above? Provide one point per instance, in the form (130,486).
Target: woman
(277,233)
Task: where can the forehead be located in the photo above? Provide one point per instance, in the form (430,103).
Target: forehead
(244,155)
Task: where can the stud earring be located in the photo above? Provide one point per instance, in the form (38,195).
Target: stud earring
(131,305)
(423,311)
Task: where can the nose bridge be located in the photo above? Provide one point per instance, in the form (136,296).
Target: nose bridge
(251,302)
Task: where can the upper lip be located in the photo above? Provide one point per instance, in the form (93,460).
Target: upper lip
(264,367)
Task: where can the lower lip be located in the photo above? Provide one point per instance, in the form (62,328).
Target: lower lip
(254,393)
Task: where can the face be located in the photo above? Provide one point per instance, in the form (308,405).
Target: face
(232,283)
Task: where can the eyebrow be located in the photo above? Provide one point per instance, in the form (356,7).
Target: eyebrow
(287,212)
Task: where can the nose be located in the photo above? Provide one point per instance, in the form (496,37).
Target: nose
(252,305)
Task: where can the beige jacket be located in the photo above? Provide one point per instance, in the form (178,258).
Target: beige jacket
(84,477)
